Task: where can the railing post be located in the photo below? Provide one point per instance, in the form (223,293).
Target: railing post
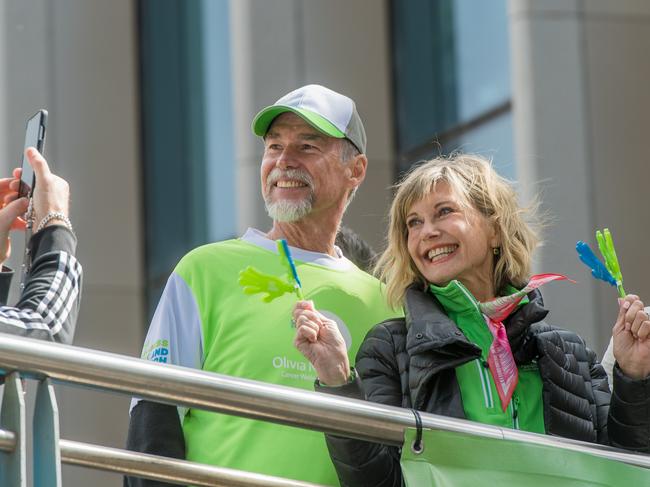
(13,466)
(47,454)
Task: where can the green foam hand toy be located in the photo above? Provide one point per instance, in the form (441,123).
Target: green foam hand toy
(606,246)
(254,281)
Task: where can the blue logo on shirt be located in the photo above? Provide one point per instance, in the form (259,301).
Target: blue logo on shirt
(157,351)
(159,355)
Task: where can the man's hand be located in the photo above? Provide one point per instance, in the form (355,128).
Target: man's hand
(319,340)
(632,338)
(51,193)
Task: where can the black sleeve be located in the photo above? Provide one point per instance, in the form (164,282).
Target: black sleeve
(629,413)
(361,463)
(49,305)
(155,429)
(6,275)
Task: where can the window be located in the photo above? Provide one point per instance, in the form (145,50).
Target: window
(187,149)
(452,80)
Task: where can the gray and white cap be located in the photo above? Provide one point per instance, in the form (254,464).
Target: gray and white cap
(327,111)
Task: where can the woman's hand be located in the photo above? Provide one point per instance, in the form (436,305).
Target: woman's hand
(10,214)
(319,340)
(632,338)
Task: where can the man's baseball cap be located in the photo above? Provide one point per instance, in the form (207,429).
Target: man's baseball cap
(327,111)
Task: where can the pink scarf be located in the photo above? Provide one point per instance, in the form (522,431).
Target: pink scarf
(500,359)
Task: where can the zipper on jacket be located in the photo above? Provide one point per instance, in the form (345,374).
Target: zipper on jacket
(484,375)
(468,295)
(514,404)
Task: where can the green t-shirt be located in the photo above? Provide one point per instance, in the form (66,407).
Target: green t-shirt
(244,337)
(481,401)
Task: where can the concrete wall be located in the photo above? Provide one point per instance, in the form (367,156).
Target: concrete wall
(582,109)
(78,59)
(281,45)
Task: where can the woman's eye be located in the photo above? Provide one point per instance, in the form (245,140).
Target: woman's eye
(445,210)
(413,222)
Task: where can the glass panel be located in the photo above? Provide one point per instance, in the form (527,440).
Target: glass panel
(481,56)
(452,72)
(424,70)
(492,140)
(220,150)
(185,96)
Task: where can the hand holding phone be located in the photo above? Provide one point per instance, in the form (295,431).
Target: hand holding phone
(34,137)
(11,213)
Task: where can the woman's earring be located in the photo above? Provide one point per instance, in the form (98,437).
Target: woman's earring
(496,250)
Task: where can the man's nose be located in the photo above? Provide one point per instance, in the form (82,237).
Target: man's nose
(286,159)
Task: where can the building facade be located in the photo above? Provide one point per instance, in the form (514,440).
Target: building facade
(151,101)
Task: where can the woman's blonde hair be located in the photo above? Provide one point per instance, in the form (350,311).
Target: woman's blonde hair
(478,185)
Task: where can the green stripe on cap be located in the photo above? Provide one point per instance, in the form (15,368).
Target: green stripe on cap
(265,117)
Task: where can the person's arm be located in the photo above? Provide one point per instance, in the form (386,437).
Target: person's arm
(357,462)
(629,420)
(49,304)
(6,274)
(155,429)
(608,361)
(174,337)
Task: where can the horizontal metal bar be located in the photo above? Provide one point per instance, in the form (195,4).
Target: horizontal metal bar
(165,469)
(155,467)
(240,397)
(7,440)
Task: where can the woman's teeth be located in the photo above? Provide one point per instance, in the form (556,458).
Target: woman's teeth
(440,252)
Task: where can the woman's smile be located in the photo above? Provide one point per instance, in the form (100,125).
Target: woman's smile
(441,253)
(448,240)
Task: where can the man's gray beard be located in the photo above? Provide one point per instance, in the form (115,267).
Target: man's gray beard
(287,210)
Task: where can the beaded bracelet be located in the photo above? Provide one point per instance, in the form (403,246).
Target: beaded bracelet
(55,215)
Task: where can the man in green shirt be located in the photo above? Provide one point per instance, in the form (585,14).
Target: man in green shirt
(314,160)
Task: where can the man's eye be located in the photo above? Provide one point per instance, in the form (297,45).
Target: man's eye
(307,147)
(274,147)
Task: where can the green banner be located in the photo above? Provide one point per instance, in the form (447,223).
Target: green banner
(458,460)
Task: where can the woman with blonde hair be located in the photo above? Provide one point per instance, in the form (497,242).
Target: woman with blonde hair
(473,343)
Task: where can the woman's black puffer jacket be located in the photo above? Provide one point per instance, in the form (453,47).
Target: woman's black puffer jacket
(410,363)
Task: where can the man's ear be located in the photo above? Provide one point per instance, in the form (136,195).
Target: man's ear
(357,169)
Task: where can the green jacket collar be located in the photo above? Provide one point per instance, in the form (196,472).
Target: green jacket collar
(455,298)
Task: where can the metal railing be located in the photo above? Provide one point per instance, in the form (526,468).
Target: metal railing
(213,392)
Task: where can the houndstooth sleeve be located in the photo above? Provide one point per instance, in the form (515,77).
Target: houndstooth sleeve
(49,305)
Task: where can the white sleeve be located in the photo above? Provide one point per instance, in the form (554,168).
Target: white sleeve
(175,334)
(608,363)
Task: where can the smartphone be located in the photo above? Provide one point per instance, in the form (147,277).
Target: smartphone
(34,137)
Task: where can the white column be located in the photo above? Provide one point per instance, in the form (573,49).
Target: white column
(4,149)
